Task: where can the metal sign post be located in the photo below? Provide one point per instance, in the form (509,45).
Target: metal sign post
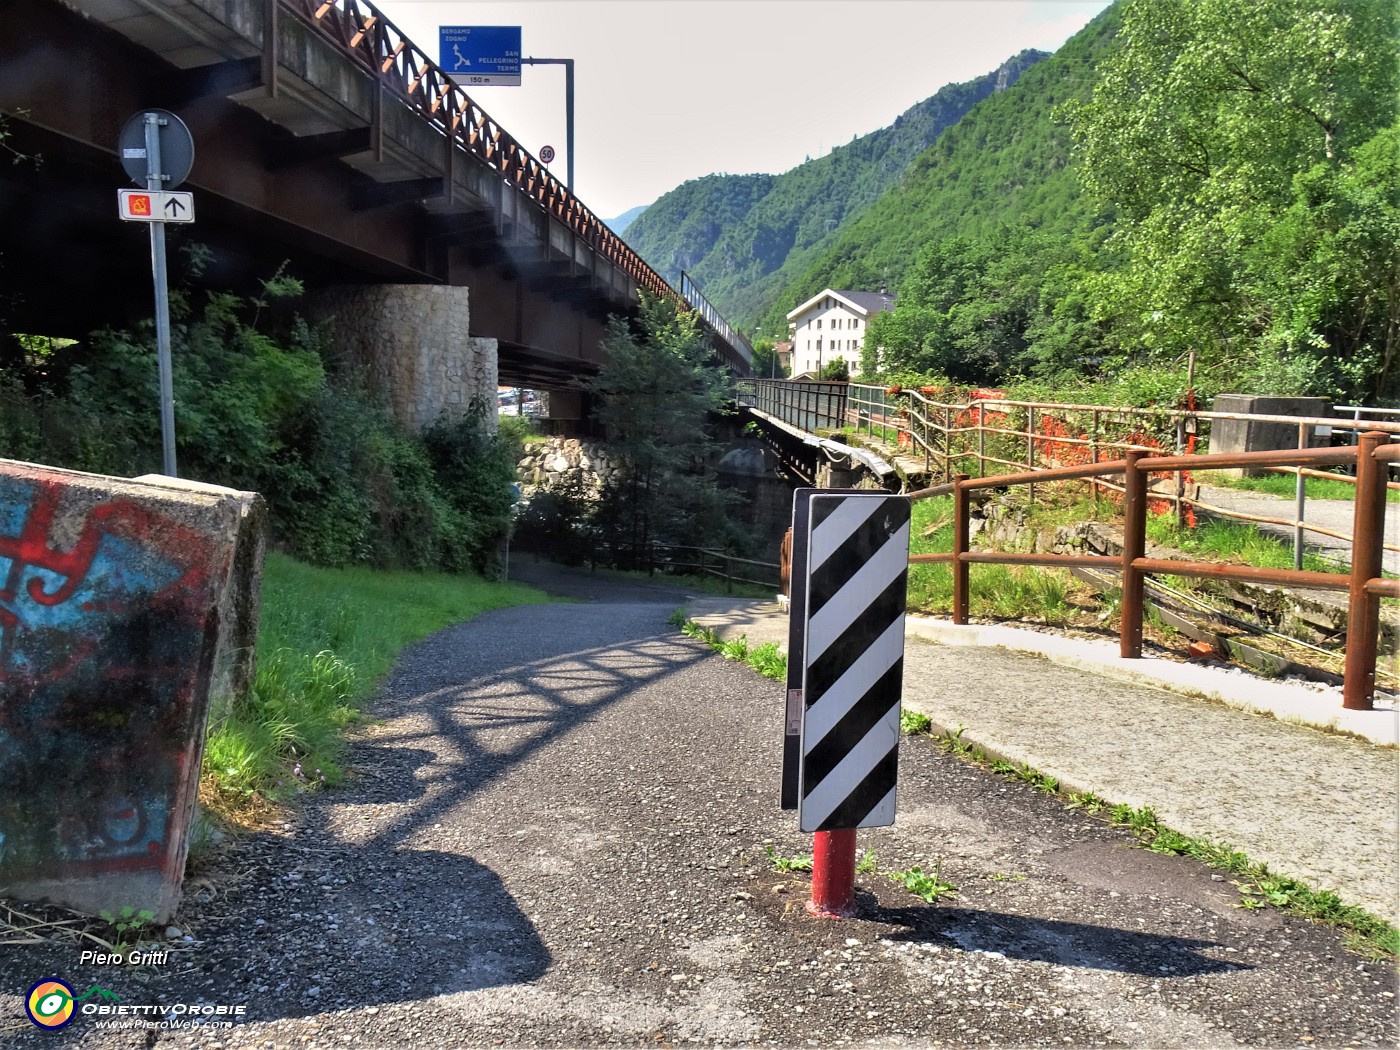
(568,64)
(144,139)
(154,179)
(851,660)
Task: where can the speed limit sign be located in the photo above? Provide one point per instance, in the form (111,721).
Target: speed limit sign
(547,154)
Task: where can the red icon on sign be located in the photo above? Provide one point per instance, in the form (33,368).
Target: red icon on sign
(138,204)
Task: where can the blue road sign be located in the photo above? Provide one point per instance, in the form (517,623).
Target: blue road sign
(480,56)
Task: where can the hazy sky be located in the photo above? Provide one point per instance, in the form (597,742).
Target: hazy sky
(670,90)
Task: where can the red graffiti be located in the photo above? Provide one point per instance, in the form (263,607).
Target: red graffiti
(186,548)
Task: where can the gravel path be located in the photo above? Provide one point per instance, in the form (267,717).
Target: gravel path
(555,837)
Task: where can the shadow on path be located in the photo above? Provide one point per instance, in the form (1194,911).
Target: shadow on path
(1052,941)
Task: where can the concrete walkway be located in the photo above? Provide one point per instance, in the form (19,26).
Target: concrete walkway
(1214,752)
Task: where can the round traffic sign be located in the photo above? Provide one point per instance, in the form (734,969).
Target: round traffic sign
(547,154)
(176,148)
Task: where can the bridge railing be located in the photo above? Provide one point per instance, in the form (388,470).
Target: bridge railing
(807,406)
(1365,584)
(691,293)
(372,41)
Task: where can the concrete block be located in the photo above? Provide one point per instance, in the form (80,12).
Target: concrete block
(1243,435)
(127,608)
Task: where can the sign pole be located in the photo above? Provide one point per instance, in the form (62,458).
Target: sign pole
(568,64)
(833,874)
(154,182)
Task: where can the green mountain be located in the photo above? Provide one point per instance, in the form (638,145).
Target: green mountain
(1002,170)
(743,238)
(1182,181)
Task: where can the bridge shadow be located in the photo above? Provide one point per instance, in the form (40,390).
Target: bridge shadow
(1060,943)
(381,876)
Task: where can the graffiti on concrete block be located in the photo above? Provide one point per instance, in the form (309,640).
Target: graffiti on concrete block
(105,633)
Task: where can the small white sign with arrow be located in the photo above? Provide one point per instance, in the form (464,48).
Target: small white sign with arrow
(155,205)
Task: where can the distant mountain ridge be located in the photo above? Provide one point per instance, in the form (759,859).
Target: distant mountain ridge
(745,237)
(619,225)
(1004,168)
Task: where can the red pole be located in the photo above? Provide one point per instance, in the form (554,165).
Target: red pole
(833,874)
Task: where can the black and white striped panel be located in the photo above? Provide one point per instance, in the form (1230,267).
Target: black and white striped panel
(853,660)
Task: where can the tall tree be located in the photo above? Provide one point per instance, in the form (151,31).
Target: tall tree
(655,395)
(1213,122)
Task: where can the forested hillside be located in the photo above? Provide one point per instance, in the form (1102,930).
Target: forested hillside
(742,237)
(1217,178)
(996,196)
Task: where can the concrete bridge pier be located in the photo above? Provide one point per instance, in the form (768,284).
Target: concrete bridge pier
(413,345)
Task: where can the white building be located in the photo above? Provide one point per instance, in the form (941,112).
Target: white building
(832,325)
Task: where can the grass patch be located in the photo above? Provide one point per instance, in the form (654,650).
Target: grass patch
(1232,541)
(996,591)
(1364,933)
(767,659)
(326,638)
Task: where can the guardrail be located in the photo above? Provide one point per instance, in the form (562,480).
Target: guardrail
(1364,585)
(1028,435)
(679,558)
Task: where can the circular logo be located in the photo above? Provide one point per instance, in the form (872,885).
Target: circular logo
(50,1003)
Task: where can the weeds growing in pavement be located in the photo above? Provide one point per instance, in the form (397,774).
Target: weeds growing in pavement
(767,659)
(1364,933)
(913,722)
(128,925)
(929,887)
(799,862)
(867,863)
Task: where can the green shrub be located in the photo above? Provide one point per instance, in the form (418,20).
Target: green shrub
(256,409)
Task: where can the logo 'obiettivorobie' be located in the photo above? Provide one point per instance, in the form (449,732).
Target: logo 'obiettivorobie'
(50,1003)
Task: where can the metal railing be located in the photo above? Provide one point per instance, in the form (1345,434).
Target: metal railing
(1029,435)
(808,406)
(367,37)
(691,293)
(682,559)
(1365,585)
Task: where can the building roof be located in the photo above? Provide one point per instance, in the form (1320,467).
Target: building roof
(863,303)
(870,302)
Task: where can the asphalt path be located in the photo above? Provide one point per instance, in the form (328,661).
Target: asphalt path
(556,832)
